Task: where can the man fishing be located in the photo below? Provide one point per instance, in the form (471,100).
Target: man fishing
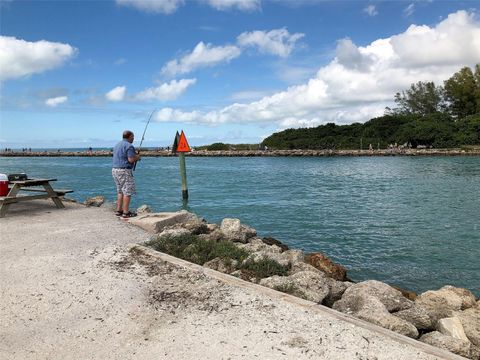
(124,160)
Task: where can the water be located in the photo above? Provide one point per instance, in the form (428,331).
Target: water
(409,221)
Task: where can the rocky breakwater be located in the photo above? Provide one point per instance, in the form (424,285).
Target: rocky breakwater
(448,318)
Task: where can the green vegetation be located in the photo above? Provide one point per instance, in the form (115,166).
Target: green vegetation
(426,115)
(194,249)
(265,267)
(224,147)
(199,251)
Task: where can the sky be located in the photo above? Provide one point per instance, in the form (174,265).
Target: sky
(78,73)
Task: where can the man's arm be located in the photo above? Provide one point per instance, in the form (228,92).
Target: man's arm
(131,156)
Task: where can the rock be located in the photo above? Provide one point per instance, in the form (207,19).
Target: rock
(293,256)
(157,222)
(234,231)
(195,226)
(173,233)
(272,241)
(369,308)
(336,290)
(144,209)
(323,263)
(474,352)
(94,201)
(256,244)
(301,266)
(308,285)
(222,265)
(418,316)
(259,255)
(452,327)
(470,320)
(444,302)
(388,296)
(286,258)
(456,346)
(313,285)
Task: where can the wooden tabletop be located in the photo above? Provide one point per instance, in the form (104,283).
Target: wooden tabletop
(31,182)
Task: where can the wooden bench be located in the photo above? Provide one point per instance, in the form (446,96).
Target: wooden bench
(60,192)
(29,185)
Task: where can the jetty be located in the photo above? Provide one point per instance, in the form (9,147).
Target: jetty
(253,153)
(77,283)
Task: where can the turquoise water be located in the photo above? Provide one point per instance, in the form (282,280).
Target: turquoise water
(409,221)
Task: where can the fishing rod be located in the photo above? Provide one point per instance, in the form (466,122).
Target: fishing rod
(143,136)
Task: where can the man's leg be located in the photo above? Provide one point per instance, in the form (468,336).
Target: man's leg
(126,203)
(119,201)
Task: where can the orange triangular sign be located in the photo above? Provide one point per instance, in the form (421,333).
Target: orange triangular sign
(183,143)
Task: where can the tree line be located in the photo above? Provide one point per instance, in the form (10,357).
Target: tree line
(425,115)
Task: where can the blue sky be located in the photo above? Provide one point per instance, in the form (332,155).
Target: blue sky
(77,73)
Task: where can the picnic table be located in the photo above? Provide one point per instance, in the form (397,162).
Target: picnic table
(31,185)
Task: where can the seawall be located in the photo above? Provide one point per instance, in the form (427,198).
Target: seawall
(256,153)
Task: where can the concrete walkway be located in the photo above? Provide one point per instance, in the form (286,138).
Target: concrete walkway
(71,290)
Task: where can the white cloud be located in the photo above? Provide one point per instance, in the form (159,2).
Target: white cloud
(20,58)
(116,94)
(360,81)
(244,5)
(409,10)
(371,10)
(350,56)
(53,102)
(153,6)
(455,40)
(276,42)
(203,55)
(166,91)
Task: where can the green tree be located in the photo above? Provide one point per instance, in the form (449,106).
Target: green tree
(423,98)
(477,87)
(460,93)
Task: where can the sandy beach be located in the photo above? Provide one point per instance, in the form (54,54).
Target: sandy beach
(71,289)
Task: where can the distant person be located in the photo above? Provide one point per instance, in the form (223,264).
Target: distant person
(124,157)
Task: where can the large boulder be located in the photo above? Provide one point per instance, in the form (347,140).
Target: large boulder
(257,244)
(452,327)
(336,290)
(418,316)
(94,201)
(285,258)
(172,233)
(293,256)
(369,308)
(301,266)
(470,320)
(235,231)
(444,302)
(308,285)
(144,209)
(456,346)
(272,241)
(388,296)
(156,222)
(323,263)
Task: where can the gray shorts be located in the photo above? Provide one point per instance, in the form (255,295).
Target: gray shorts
(124,180)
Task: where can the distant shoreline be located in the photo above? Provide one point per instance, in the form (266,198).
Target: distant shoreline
(255,153)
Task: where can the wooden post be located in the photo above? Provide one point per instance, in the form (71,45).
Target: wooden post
(183,174)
